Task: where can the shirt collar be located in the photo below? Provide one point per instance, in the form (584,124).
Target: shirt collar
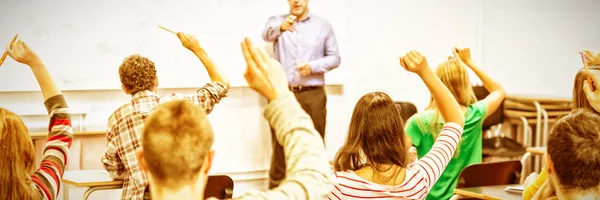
(308,16)
(144,93)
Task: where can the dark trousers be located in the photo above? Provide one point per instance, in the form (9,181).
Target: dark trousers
(314,102)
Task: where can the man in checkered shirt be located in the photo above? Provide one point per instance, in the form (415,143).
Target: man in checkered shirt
(124,129)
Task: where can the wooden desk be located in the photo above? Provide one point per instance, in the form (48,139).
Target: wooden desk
(537,150)
(93,179)
(488,192)
(539,98)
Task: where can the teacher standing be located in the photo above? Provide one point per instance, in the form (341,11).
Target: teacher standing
(306,47)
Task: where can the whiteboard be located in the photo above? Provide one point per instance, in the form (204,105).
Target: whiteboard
(83,43)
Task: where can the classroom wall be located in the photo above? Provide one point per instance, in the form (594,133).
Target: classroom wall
(529,46)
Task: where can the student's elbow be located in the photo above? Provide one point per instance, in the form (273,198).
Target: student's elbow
(459,119)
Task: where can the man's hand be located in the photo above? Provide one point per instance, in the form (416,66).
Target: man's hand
(414,62)
(592,90)
(304,69)
(264,74)
(20,52)
(189,41)
(288,24)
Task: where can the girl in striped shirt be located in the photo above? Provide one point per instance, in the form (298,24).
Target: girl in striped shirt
(374,161)
(18,177)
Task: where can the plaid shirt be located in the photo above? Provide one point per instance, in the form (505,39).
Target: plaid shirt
(125,127)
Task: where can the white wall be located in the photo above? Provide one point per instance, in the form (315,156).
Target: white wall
(529,46)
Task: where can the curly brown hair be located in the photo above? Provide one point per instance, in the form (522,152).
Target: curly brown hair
(137,74)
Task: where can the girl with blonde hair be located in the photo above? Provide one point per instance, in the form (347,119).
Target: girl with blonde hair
(423,127)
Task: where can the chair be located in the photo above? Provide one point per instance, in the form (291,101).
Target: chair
(219,186)
(407,109)
(488,174)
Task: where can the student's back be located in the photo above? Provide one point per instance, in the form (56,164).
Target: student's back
(423,127)
(468,152)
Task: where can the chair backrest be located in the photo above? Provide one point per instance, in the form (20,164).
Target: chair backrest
(488,174)
(407,109)
(219,186)
(496,117)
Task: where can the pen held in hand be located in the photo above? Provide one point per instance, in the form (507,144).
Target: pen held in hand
(166,29)
(6,52)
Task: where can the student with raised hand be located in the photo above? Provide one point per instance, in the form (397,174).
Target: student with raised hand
(18,178)
(423,127)
(176,144)
(139,79)
(374,161)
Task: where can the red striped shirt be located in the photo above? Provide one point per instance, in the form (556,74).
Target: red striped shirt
(420,176)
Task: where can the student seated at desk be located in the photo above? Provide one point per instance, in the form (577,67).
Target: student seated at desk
(374,161)
(424,127)
(583,98)
(139,79)
(573,158)
(176,143)
(18,177)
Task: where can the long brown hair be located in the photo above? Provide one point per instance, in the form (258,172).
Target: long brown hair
(579,98)
(17,158)
(455,77)
(375,136)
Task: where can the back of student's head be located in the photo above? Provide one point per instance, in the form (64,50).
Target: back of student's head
(137,74)
(176,143)
(376,133)
(579,98)
(574,149)
(455,77)
(17,158)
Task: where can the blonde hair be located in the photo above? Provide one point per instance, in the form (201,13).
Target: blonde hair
(137,73)
(176,140)
(17,158)
(455,77)
(579,98)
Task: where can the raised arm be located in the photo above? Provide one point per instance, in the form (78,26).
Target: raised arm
(449,108)
(332,57)
(496,96)
(215,73)
(433,163)
(210,94)
(60,134)
(307,169)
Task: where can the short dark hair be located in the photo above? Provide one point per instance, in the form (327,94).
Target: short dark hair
(574,148)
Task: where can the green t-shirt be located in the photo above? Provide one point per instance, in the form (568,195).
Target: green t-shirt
(468,153)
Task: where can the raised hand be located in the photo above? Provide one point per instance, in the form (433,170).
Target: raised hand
(188,41)
(264,74)
(288,24)
(463,53)
(590,59)
(592,90)
(414,62)
(20,52)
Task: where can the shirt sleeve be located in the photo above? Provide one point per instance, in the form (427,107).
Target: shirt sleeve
(411,129)
(308,171)
(48,177)
(110,160)
(207,96)
(332,58)
(535,186)
(435,161)
(481,108)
